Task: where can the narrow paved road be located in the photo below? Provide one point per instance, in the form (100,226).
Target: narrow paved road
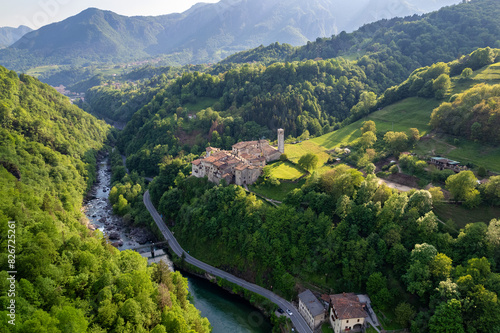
(297,320)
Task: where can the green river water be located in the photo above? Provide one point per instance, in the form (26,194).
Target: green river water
(227,313)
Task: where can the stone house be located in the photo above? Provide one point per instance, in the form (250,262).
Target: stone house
(311,309)
(347,313)
(242,165)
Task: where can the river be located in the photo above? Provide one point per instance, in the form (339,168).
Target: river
(227,313)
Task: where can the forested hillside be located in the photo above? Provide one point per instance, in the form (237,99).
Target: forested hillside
(69,279)
(344,232)
(474,114)
(245,103)
(400,44)
(339,230)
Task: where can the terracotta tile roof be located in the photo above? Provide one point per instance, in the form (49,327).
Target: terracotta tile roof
(220,154)
(347,306)
(241,167)
(244,144)
(210,159)
(246,156)
(269,150)
(218,163)
(196,162)
(212,149)
(254,151)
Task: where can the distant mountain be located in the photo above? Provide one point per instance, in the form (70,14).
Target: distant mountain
(9,36)
(204,33)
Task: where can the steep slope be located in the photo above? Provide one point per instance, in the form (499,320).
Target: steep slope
(204,33)
(468,101)
(92,35)
(68,278)
(9,35)
(399,45)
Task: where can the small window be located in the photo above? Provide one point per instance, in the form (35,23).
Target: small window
(347,321)
(358,320)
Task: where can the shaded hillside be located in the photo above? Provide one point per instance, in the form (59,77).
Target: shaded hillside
(9,36)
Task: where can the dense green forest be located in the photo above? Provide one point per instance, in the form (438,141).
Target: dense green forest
(474,114)
(339,229)
(69,279)
(347,233)
(400,45)
(244,103)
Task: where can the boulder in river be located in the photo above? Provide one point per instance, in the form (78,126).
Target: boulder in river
(141,235)
(117,244)
(114,235)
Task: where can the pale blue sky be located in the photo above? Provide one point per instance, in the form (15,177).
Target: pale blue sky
(37,13)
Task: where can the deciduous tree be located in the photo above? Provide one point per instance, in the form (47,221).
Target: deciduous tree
(462,187)
(308,161)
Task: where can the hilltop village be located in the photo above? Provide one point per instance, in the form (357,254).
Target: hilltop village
(242,165)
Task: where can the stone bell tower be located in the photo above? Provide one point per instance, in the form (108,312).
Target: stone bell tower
(281,140)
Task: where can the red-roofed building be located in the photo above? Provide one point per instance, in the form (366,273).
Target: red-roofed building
(243,165)
(347,313)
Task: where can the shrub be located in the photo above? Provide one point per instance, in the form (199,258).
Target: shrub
(481,172)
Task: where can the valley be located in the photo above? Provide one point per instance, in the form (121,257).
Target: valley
(304,156)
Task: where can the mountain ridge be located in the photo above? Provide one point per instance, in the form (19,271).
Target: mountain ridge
(203,33)
(10,35)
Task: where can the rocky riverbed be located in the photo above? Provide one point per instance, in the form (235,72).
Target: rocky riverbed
(99,212)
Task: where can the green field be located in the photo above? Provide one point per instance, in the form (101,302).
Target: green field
(276,192)
(463,151)
(462,216)
(201,103)
(295,151)
(490,73)
(411,112)
(284,170)
(37,71)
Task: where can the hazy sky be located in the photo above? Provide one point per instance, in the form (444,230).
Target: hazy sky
(37,13)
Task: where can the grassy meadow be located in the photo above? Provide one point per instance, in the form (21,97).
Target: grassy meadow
(284,170)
